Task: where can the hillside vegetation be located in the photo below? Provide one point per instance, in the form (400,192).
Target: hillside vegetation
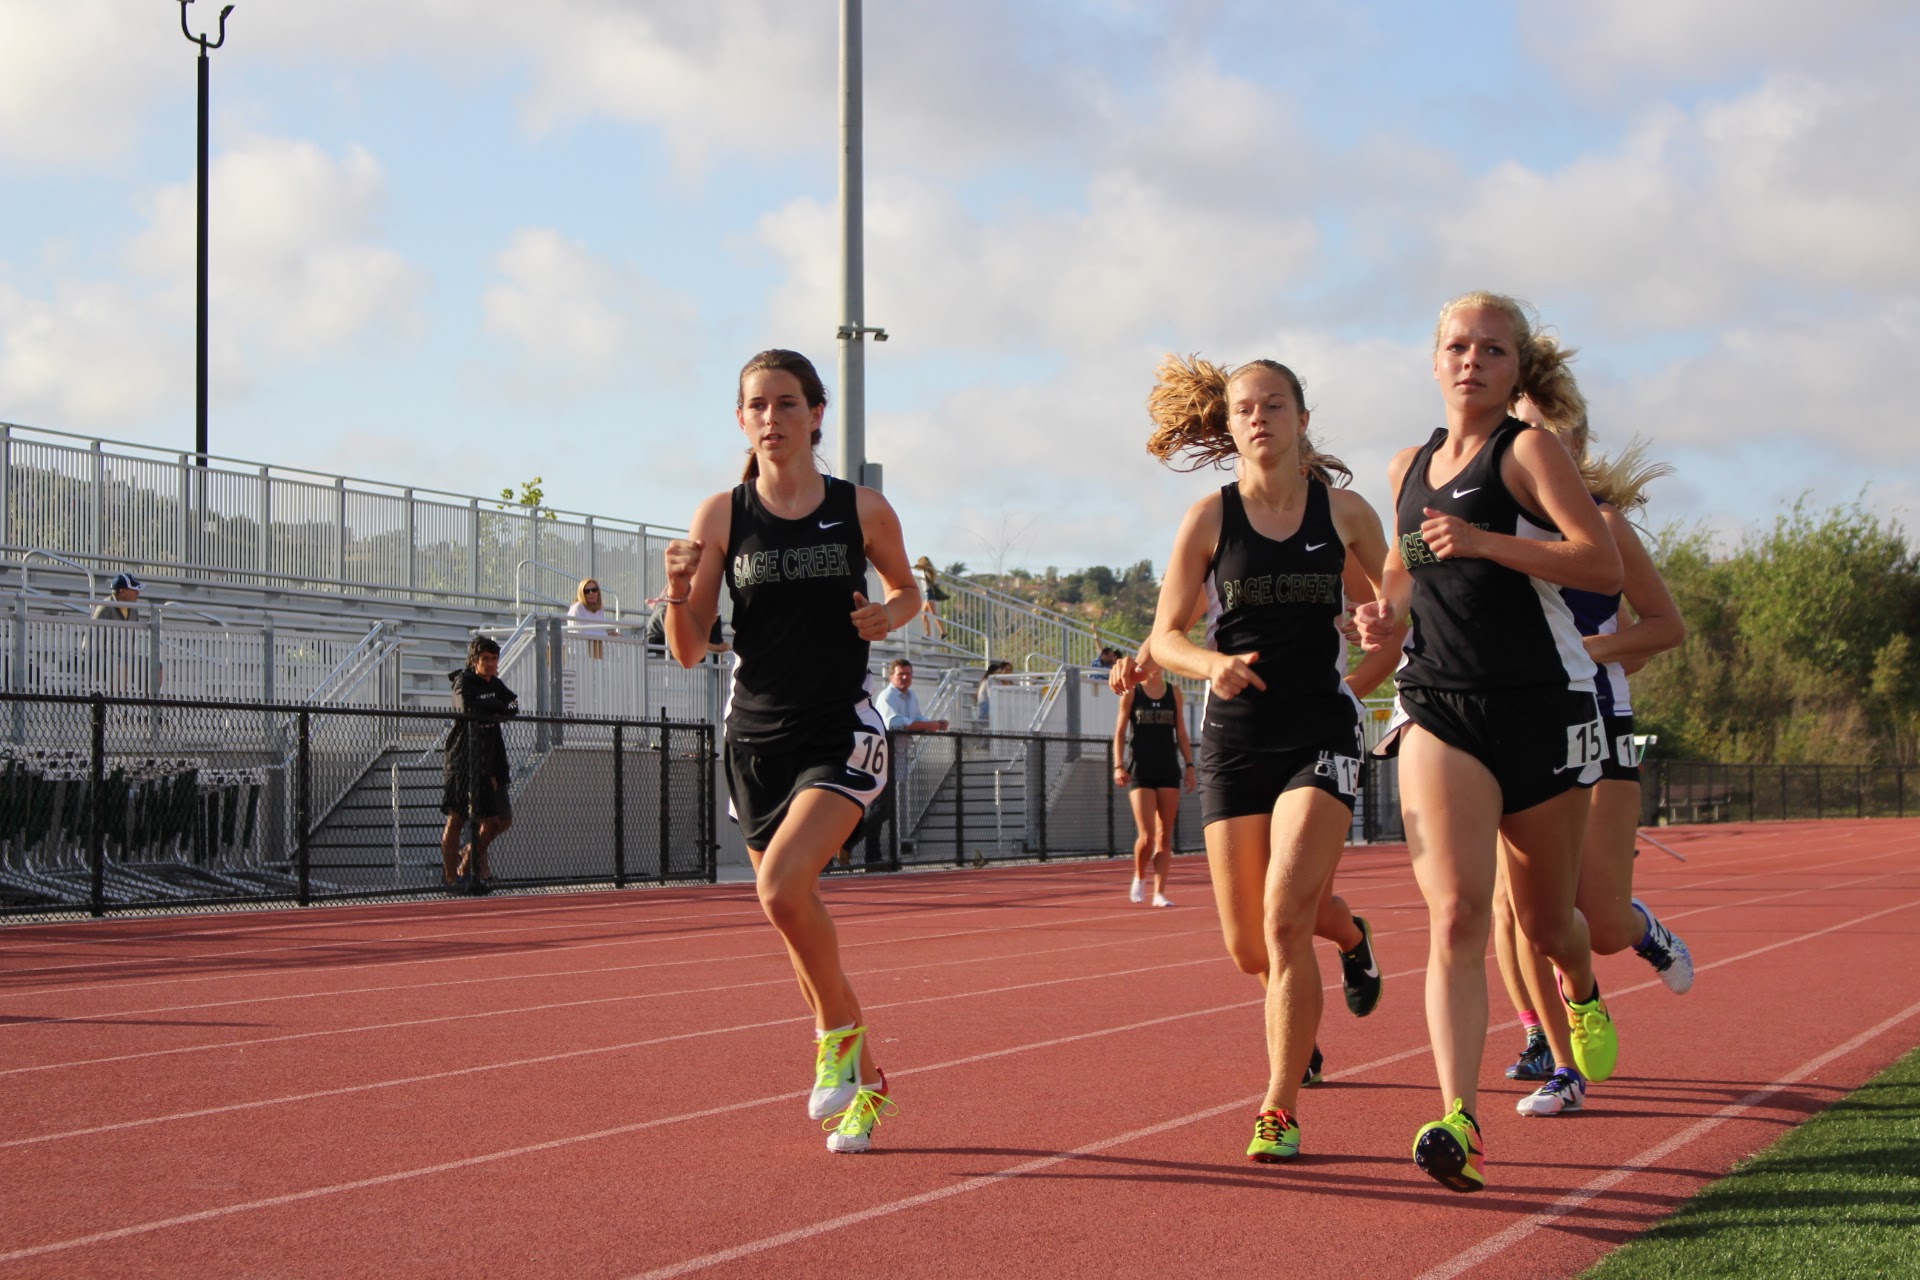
(1800,646)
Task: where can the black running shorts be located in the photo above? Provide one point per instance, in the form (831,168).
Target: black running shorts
(495,800)
(1236,783)
(1623,753)
(761,785)
(1537,741)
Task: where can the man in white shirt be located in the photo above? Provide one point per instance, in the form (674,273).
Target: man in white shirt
(899,707)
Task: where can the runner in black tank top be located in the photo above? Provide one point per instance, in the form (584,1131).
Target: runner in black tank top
(1274,555)
(1491,519)
(806,752)
(1152,758)
(799,670)
(1615,918)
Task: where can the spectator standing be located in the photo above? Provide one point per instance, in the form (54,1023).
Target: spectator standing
(476,769)
(983,693)
(930,598)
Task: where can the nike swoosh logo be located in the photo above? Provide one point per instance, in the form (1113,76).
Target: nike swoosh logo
(1315,546)
(1373,970)
(831,524)
(1461,493)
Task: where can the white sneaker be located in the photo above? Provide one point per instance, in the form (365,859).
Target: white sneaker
(1139,891)
(1666,953)
(1162,900)
(1563,1091)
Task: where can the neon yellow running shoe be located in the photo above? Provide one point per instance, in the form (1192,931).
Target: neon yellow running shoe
(853,1128)
(836,1071)
(1276,1137)
(1449,1151)
(1596,1046)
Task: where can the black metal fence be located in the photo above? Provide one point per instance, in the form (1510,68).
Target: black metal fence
(1695,791)
(1689,791)
(122,804)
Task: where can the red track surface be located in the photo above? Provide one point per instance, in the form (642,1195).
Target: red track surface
(611,1085)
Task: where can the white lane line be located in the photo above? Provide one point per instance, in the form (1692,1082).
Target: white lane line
(818,1228)
(1494,1245)
(502,950)
(568,1004)
(933,887)
(534,976)
(569,1054)
(63,991)
(314,1193)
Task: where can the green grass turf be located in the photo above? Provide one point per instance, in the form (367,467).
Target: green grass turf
(1838,1197)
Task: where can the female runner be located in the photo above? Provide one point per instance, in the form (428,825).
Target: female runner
(1615,918)
(1498,731)
(1280,746)
(806,751)
(1152,769)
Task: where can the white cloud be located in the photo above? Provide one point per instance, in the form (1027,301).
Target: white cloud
(1598,43)
(295,271)
(1793,190)
(79,73)
(581,319)
(1839,378)
(92,355)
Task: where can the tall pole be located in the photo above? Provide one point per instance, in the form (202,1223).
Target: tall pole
(200,280)
(200,242)
(853,362)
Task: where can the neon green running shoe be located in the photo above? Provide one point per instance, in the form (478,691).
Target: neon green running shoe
(1449,1151)
(836,1072)
(853,1128)
(1596,1046)
(1276,1137)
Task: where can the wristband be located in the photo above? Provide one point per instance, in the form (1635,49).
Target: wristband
(667,600)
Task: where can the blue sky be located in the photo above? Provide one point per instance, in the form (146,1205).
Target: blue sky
(458,243)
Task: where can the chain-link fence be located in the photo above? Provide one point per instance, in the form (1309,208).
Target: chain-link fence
(118,804)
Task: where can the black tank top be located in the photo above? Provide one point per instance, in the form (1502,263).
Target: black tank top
(1152,747)
(1478,625)
(1280,600)
(799,666)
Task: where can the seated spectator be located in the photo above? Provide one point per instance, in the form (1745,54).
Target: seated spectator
(587,616)
(125,605)
(898,705)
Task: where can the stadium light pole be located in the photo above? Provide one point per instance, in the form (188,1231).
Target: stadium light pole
(854,330)
(200,291)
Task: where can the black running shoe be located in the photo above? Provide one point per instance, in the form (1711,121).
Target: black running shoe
(1535,1062)
(1313,1068)
(1360,973)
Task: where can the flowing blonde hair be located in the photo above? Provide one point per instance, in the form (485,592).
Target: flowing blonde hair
(1546,378)
(1188,406)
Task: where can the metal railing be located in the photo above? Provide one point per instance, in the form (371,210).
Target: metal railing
(93,821)
(101,505)
(217,658)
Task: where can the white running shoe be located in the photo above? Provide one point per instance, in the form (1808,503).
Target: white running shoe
(1139,891)
(1162,900)
(1667,954)
(1563,1091)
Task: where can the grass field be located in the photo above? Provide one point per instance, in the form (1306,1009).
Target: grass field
(1838,1197)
